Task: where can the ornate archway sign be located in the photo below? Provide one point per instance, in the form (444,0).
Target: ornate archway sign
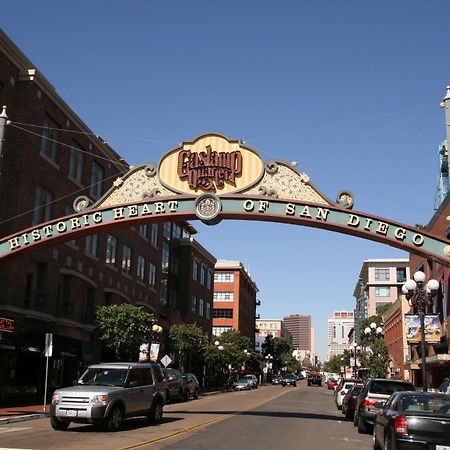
(214,178)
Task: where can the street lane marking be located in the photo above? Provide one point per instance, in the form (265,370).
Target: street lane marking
(202,425)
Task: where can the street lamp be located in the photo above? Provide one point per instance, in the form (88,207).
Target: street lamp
(356,348)
(269,359)
(373,331)
(419,297)
(149,351)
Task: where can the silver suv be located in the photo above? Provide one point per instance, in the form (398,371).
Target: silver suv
(107,393)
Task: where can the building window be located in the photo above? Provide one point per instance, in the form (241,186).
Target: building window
(165,257)
(217,331)
(202,275)
(176,231)
(126,259)
(50,136)
(401,274)
(224,277)
(222,313)
(208,310)
(174,264)
(194,304)
(154,236)
(381,304)
(382,291)
(140,269)
(97,176)
(382,274)
(195,270)
(223,296)
(209,280)
(42,205)
(65,300)
(91,247)
(76,164)
(163,293)
(143,231)
(152,275)
(201,307)
(167,230)
(111,249)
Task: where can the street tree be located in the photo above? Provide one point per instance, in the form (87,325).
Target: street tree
(185,340)
(123,328)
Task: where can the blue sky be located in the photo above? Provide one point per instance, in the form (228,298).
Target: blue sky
(348,89)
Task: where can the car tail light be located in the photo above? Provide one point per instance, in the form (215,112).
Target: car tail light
(400,425)
(368,403)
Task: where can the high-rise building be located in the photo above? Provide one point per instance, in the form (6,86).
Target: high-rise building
(339,327)
(234,299)
(379,283)
(300,328)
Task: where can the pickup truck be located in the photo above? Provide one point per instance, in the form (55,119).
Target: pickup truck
(314,378)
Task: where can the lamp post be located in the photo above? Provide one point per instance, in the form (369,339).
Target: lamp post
(420,296)
(149,351)
(269,359)
(356,348)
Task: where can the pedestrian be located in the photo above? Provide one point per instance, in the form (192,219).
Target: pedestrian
(444,385)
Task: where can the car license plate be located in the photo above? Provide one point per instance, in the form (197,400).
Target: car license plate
(71,413)
(442,447)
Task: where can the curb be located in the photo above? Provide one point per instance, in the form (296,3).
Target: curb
(17,419)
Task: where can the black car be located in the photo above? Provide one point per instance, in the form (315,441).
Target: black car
(192,385)
(413,420)
(375,390)
(289,378)
(176,388)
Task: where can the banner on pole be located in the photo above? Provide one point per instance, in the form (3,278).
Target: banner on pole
(432,328)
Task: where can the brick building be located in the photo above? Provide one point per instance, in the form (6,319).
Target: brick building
(234,299)
(49,157)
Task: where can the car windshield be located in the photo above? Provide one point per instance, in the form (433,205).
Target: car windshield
(388,387)
(429,405)
(289,376)
(104,377)
(356,390)
(243,380)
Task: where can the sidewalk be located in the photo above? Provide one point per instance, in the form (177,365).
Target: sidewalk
(14,414)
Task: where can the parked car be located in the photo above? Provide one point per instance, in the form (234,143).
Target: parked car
(331,383)
(192,385)
(107,393)
(176,388)
(252,379)
(343,392)
(276,380)
(375,390)
(341,382)
(243,384)
(289,378)
(350,399)
(413,420)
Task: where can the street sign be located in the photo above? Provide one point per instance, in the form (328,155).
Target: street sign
(166,360)
(48,344)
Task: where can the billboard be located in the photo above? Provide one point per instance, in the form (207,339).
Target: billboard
(432,328)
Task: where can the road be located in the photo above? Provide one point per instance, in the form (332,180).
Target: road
(271,417)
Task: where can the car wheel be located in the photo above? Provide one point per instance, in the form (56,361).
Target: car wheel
(295,384)
(362,426)
(156,413)
(355,419)
(195,394)
(59,425)
(115,419)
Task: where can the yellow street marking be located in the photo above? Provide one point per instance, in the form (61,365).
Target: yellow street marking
(201,425)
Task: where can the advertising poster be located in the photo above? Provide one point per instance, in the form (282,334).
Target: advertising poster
(432,328)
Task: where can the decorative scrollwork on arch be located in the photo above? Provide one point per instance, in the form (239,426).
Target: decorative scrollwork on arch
(81,203)
(153,193)
(267,191)
(150,170)
(345,199)
(271,166)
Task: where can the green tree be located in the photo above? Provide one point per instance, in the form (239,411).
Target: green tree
(185,340)
(123,328)
(334,364)
(374,355)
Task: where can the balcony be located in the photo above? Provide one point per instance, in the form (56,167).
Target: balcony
(258,302)
(258,316)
